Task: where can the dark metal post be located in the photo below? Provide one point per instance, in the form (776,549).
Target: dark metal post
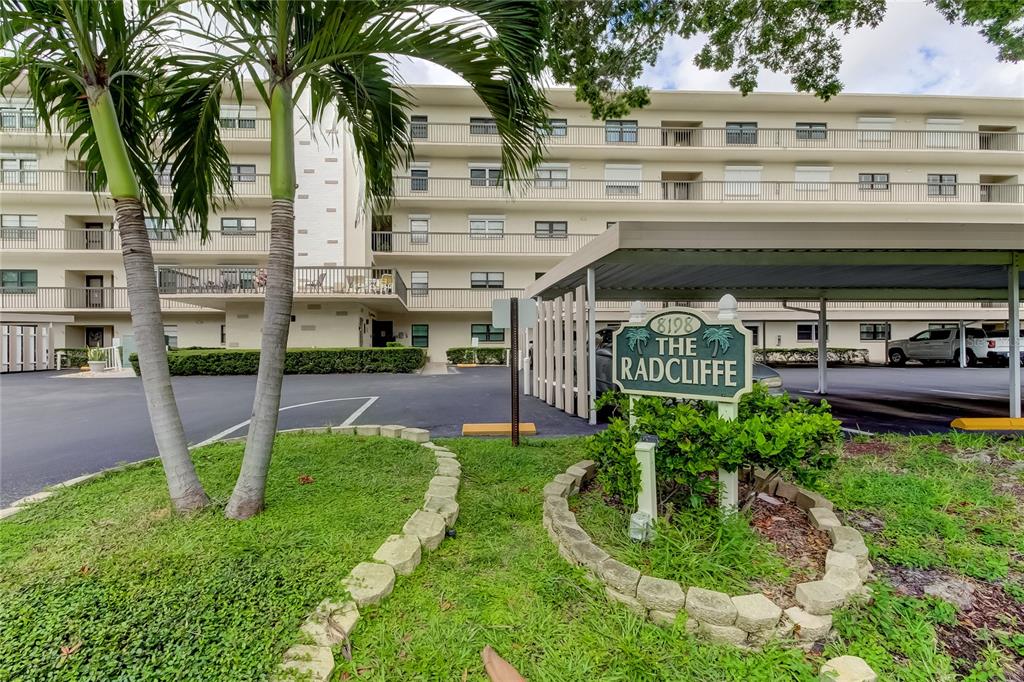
(513,363)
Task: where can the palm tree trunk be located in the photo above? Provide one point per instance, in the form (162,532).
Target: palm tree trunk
(247,497)
(186,491)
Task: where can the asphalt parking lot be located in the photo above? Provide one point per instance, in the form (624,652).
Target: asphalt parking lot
(53,428)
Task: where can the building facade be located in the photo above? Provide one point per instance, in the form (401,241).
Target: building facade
(455,238)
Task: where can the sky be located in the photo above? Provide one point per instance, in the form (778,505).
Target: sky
(913,51)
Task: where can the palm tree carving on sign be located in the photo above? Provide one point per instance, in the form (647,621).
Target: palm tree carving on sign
(637,338)
(720,338)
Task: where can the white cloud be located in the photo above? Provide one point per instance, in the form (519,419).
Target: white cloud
(913,51)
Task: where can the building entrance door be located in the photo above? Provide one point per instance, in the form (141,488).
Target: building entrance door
(94,337)
(383,332)
(94,293)
(94,236)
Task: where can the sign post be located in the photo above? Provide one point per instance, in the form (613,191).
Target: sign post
(514,314)
(682,353)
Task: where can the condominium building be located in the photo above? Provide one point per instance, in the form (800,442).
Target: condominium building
(455,238)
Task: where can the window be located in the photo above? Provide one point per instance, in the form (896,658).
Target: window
(742,181)
(482,126)
(223,334)
(557,127)
(620,131)
(551,178)
(18,226)
(420,335)
(622,180)
(741,132)
(874,331)
(811,131)
(941,185)
(418,127)
(171,335)
(940,325)
(875,131)
(163,174)
(18,169)
(609,224)
(237,225)
(485,176)
(243,172)
(22,281)
(812,178)
(551,229)
(160,229)
(418,179)
(419,282)
(486,333)
(943,133)
(873,180)
(419,229)
(236,116)
(808,331)
(487,280)
(486,228)
(17,116)
(755,334)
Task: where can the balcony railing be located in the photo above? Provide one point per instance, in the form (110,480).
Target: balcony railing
(780,306)
(456,299)
(74,239)
(712,190)
(75,298)
(455,243)
(252,279)
(230,129)
(83,181)
(729,138)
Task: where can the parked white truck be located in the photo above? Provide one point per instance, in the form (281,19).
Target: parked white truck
(933,346)
(995,348)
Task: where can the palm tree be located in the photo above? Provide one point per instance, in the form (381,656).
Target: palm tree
(87,65)
(718,336)
(342,54)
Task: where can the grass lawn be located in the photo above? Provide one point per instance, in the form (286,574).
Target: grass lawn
(167,598)
(133,593)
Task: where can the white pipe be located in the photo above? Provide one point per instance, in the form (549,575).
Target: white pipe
(822,347)
(1014,334)
(592,342)
(962,330)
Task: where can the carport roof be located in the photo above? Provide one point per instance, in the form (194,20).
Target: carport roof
(793,261)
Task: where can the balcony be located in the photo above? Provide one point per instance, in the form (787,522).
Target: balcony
(230,129)
(466,244)
(732,139)
(710,191)
(256,185)
(468,300)
(77,299)
(74,239)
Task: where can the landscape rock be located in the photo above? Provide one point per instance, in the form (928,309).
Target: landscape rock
(444,454)
(819,597)
(844,560)
(660,594)
(391,431)
(400,552)
(316,662)
(960,593)
(446,507)
(416,435)
(331,623)
(722,634)
(823,518)
(578,474)
(448,467)
(808,499)
(756,612)
(845,579)
(784,630)
(556,488)
(589,466)
(428,526)
(569,481)
(453,481)
(769,500)
(856,548)
(631,602)
(786,490)
(343,430)
(442,490)
(711,607)
(369,583)
(847,669)
(845,534)
(663,618)
(588,554)
(807,626)
(367,430)
(619,576)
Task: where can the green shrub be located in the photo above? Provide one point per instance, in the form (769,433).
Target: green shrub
(771,433)
(479,356)
(96,355)
(75,357)
(222,362)
(805,356)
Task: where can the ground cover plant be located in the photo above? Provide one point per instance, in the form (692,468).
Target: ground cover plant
(103,582)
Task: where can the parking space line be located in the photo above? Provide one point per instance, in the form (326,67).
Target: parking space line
(369,400)
(973,395)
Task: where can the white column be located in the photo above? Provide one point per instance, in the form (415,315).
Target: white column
(962,331)
(540,354)
(549,357)
(591,344)
(582,353)
(527,369)
(559,355)
(822,347)
(570,355)
(642,522)
(728,481)
(1014,301)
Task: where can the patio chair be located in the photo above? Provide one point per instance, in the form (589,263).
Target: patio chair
(314,284)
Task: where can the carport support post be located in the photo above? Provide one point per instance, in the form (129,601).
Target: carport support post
(592,343)
(962,331)
(822,346)
(728,481)
(1014,335)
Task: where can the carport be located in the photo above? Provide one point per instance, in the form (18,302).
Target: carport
(797,263)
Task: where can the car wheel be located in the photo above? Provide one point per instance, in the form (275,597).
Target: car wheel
(972,359)
(897,357)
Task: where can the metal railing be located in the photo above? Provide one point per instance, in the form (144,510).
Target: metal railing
(454,243)
(84,181)
(713,190)
(456,299)
(75,298)
(732,138)
(76,239)
(252,279)
(764,306)
(230,129)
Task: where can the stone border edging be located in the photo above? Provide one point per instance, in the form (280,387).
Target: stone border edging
(748,620)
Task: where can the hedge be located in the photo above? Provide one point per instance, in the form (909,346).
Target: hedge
(794,356)
(74,357)
(221,362)
(479,356)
